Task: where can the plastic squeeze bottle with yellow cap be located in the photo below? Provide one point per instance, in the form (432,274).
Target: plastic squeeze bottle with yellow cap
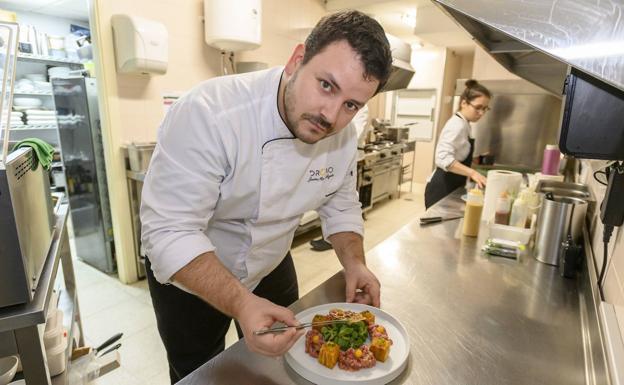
(472,214)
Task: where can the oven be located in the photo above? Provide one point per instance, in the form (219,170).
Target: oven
(365,184)
(386,174)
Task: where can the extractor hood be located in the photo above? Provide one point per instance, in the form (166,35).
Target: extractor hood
(402,70)
(538,39)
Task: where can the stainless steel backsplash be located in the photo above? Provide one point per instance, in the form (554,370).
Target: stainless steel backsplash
(523,120)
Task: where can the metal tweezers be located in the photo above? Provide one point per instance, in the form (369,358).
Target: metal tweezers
(279,329)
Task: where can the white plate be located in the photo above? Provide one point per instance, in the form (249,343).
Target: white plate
(381,373)
(27,102)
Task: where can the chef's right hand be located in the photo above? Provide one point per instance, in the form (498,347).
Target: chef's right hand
(479,179)
(258,313)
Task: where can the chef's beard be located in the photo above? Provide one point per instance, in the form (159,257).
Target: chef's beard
(289,112)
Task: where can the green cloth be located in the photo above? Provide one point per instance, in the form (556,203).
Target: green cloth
(42,150)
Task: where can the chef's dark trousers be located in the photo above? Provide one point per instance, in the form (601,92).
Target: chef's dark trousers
(192,331)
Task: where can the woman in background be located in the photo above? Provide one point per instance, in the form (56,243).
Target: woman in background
(453,155)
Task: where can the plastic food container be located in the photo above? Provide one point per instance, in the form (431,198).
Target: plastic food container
(510,233)
(55,317)
(53,336)
(57,361)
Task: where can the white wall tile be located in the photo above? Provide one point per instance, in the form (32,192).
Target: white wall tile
(614,280)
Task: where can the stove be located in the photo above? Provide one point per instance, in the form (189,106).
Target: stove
(375,152)
(380,171)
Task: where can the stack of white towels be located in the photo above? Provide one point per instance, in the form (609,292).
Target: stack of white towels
(40,117)
(16,119)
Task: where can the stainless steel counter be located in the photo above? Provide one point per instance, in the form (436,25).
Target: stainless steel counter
(471,319)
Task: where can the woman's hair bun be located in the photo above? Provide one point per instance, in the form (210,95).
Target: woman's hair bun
(470,83)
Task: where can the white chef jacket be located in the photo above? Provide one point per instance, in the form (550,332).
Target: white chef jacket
(360,122)
(453,144)
(228,176)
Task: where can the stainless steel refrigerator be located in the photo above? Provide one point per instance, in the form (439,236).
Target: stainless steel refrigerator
(83,159)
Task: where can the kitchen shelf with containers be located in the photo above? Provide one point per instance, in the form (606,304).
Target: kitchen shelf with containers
(34,113)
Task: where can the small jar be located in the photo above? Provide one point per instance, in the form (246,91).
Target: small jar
(501,216)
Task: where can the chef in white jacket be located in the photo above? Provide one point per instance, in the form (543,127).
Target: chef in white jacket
(239,160)
(454,151)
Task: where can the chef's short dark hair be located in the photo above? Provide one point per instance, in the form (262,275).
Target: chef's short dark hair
(363,33)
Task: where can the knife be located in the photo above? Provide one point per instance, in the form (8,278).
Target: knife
(109,350)
(431,220)
(108,342)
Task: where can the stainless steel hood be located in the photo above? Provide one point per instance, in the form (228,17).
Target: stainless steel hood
(538,39)
(402,70)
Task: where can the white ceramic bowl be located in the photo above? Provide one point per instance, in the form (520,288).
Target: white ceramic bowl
(27,102)
(24,81)
(8,367)
(36,77)
(59,72)
(43,86)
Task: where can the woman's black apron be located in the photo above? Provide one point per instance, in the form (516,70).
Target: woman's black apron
(443,183)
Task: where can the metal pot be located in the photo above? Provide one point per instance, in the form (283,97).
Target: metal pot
(558,217)
(140,155)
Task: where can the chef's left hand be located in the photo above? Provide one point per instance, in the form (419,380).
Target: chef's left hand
(362,285)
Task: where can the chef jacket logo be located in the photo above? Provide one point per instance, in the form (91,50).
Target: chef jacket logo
(321,174)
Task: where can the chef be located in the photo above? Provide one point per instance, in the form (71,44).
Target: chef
(453,155)
(239,160)
(359,122)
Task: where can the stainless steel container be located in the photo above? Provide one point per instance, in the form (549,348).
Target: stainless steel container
(568,189)
(397,134)
(139,155)
(557,217)
(26,226)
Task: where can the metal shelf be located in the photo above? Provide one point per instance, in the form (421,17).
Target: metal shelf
(21,321)
(46,59)
(33,128)
(32,93)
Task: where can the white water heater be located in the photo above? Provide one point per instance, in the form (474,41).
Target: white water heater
(233,25)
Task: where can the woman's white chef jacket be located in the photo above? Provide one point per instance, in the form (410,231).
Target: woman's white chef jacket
(453,144)
(228,176)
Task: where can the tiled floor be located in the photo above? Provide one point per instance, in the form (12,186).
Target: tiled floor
(109,307)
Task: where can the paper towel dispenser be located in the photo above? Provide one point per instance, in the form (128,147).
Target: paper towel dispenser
(141,45)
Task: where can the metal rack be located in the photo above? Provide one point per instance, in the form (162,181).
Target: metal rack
(407,170)
(135,186)
(47,132)
(19,325)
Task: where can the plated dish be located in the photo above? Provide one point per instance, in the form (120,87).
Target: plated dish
(370,348)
